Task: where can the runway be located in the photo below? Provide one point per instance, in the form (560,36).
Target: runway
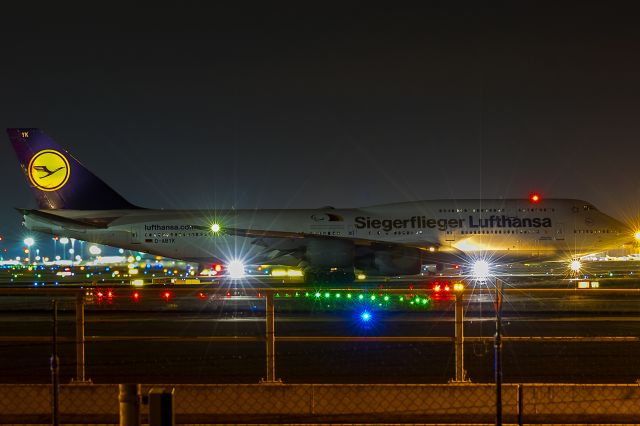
(188,360)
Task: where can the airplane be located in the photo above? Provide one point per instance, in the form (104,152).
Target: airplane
(329,244)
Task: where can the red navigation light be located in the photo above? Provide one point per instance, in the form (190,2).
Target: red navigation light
(447,288)
(99,294)
(136,296)
(534,197)
(217,267)
(166,295)
(436,287)
(109,294)
(202,295)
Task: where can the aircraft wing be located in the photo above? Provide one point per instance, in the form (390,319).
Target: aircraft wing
(265,234)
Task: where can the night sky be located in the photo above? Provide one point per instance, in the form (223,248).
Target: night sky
(311,104)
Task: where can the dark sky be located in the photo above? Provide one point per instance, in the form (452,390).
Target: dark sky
(310,104)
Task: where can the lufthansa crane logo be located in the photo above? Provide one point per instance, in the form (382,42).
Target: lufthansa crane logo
(48,170)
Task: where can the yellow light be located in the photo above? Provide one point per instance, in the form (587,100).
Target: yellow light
(215,228)
(137,283)
(278,272)
(131,259)
(294,273)
(637,235)
(133,271)
(432,249)
(583,284)
(458,287)
(361,276)
(595,284)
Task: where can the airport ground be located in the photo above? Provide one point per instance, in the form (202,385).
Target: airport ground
(580,313)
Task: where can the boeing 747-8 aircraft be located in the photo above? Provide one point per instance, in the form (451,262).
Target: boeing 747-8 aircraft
(330,244)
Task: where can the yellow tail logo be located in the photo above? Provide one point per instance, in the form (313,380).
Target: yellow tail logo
(48,170)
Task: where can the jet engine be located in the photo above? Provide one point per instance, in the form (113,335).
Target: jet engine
(321,253)
(389,261)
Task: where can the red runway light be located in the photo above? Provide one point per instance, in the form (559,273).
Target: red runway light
(534,197)
(202,295)
(166,296)
(135,296)
(217,267)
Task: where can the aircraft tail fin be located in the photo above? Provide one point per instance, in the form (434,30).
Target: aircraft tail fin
(58,180)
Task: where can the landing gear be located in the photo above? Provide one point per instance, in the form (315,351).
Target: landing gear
(333,276)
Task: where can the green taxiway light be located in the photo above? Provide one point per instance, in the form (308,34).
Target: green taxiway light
(386,298)
(348,295)
(327,295)
(318,294)
(360,296)
(337,295)
(373,297)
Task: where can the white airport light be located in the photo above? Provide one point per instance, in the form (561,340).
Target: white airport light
(29,241)
(236,269)
(215,228)
(95,250)
(480,269)
(637,235)
(71,251)
(64,240)
(120,251)
(575,265)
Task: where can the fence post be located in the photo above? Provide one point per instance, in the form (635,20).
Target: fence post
(80,341)
(270,338)
(129,398)
(55,367)
(459,338)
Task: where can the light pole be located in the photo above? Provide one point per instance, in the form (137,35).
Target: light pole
(29,241)
(64,241)
(497,345)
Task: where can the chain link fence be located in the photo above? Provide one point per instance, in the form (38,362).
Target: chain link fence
(283,403)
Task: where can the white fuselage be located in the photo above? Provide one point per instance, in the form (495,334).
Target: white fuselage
(517,228)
